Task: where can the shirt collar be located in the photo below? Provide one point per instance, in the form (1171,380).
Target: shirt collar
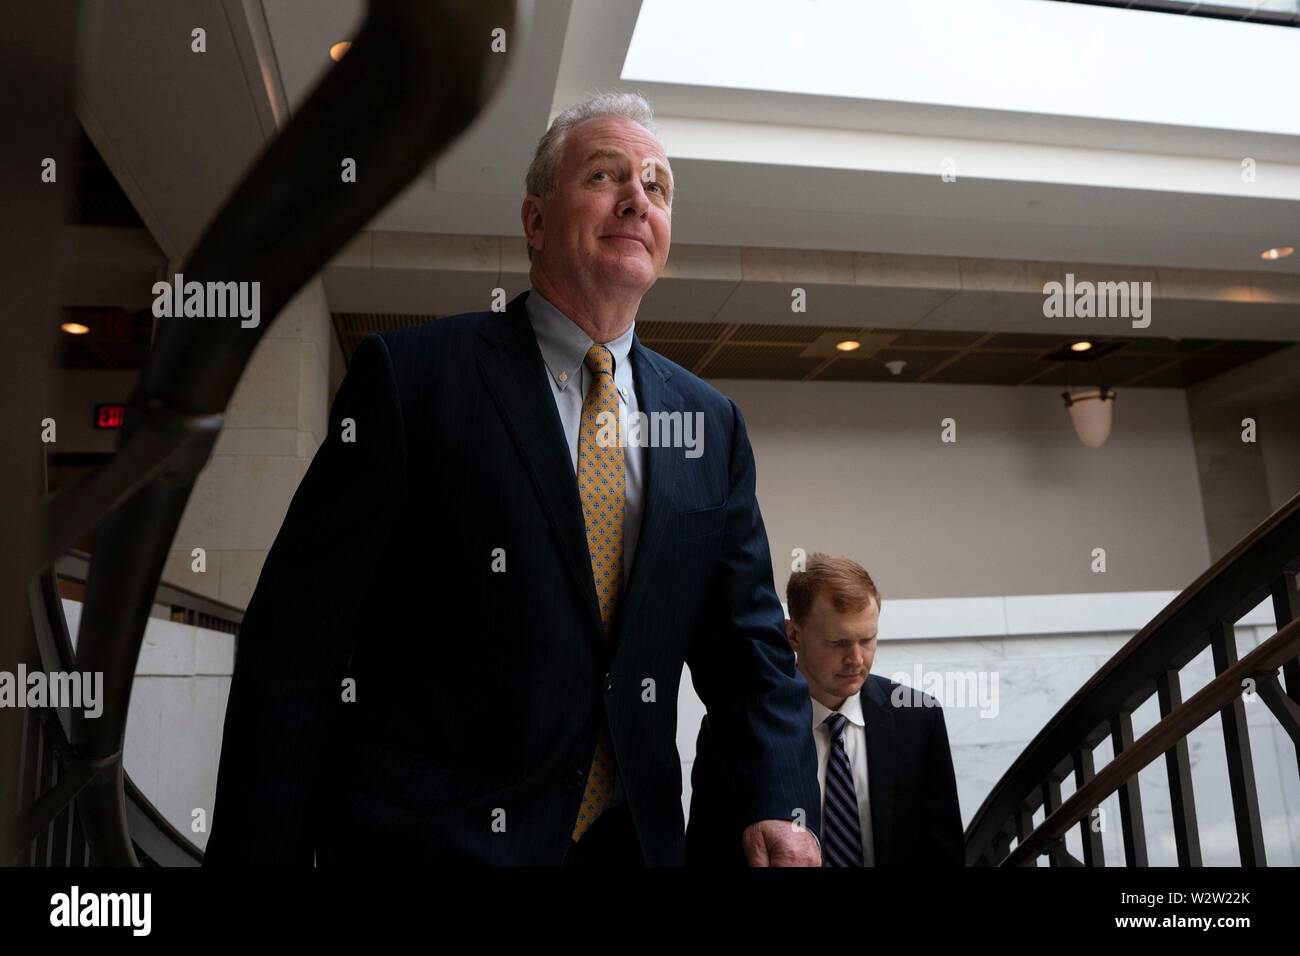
(564,344)
(851,709)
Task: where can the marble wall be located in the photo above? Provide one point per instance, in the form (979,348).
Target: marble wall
(173,729)
(276,420)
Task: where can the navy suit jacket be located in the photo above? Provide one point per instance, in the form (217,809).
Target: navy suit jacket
(915,817)
(435,569)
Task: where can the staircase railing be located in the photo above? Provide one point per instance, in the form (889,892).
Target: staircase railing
(186,606)
(416,76)
(1261,566)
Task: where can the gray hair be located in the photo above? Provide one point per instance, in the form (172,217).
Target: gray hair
(543,171)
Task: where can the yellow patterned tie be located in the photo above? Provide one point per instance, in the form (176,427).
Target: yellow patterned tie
(601,478)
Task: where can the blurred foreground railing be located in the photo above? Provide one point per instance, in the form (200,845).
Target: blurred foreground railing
(416,76)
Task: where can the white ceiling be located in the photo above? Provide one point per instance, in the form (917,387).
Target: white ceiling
(813,172)
(178,130)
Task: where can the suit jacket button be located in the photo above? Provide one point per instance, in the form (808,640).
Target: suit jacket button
(609,682)
(576,780)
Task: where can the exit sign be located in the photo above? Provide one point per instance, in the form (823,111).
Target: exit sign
(109,416)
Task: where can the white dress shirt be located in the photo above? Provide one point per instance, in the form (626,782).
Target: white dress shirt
(855,746)
(564,351)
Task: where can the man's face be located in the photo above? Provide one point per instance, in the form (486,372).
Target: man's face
(835,650)
(614,182)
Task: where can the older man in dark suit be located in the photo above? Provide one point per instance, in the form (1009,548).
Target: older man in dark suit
(466,643)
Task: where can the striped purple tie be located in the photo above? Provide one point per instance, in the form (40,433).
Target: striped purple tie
(841,831)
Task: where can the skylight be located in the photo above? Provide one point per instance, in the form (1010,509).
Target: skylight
(1031,56)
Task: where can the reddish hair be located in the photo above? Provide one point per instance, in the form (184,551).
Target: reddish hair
(846,582)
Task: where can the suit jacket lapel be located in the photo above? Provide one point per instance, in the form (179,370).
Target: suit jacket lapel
(654,393)
(512,372)
(878,716)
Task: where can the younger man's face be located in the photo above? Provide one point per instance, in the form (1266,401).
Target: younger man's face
(835,649)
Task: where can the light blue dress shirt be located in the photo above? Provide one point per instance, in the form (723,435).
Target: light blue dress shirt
(564,347)
(564,350)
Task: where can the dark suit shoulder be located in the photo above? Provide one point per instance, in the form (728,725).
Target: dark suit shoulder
(420,341)
(692,388)
(438,354)
(903,700)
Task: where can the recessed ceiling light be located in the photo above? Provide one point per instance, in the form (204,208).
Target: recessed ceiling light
(338,49)
(1277,252)
(1080,346)
(848,345)
(75,328)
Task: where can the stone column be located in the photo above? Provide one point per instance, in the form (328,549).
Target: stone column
(1243,482)
(276,421)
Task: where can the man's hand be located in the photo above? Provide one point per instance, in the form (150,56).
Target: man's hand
(780,843)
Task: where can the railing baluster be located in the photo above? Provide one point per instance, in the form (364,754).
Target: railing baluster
(45,760)
(1060,856)
(1093,855)
(1236,745)
(77,849)
(54,832)
(67,823)
(1286,608)
(1051,801)
(1002,845)
(1182,802)
(1130,796)
(1283,707)
(1024,827)
(1286,600)
(27,765)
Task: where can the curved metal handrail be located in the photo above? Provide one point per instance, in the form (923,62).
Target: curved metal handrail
(149,829)
(198,609)
(1260,665)
(415,77)
(1230,588)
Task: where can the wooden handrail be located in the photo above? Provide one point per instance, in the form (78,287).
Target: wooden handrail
(1261,665)
(1232,586)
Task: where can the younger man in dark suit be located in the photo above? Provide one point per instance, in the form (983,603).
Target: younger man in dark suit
(889,795)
